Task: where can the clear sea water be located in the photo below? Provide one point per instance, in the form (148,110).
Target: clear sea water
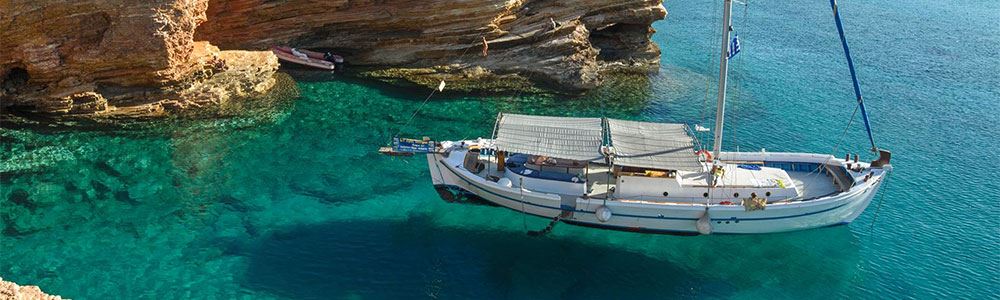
(287,199)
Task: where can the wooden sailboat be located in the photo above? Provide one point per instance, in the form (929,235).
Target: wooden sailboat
(651,177)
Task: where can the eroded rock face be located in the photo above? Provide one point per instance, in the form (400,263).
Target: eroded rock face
(10,290)
(566,44)
(148,57)
(116,57)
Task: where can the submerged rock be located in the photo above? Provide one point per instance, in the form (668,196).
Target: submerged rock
(20,197)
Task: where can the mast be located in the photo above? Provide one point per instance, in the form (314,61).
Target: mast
(854,75)
(723,75)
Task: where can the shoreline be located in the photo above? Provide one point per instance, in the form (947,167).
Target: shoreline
(160,57)
(11,290)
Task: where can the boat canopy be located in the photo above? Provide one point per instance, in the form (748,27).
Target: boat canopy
(559,137)
(652,145)
(633,143)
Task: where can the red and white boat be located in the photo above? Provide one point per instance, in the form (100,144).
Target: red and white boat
(309,58)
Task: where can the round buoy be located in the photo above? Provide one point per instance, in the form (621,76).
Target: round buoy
(505,182)
(704,223)
(603,213)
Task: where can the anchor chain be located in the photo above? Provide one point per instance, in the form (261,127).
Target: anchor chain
(547,228)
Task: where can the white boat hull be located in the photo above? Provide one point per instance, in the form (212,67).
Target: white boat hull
(660,217)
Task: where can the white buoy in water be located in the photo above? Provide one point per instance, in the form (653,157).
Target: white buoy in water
(705,223)
(603,213)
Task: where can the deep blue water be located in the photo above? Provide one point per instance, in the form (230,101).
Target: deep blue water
(290,201)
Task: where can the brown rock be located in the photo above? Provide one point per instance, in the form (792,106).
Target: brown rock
(101,57)
(588,35)
(12,291)
(149,57)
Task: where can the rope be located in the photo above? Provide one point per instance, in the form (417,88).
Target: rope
(879,207)
(833,153)
(844,133)
(836,147)
(548,228)
(415,112)
(708,79)
(739,89)
(524,217)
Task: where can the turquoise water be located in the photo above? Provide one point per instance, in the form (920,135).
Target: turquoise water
(287,199)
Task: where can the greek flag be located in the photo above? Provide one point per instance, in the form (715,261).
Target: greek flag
(734,46)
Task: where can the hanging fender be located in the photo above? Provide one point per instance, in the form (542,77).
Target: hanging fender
(603,213)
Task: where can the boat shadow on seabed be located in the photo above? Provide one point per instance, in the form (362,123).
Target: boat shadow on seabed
(458,195)
(418,256)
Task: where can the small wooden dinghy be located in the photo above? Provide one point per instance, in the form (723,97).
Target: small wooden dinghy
(307,58)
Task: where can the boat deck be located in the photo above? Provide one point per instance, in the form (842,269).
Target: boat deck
(812,184)
(735,176)
(601,180)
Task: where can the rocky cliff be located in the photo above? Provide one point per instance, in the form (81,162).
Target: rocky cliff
(10,290)
(133,57)
(147,57)
(565,44)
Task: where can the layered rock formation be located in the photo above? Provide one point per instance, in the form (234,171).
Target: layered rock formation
(567,44)
(10,290)
(132,57)
(147,57)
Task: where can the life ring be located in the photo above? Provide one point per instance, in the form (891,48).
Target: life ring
(603,213)
(705,153)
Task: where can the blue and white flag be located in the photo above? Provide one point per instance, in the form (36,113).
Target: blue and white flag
(734,46)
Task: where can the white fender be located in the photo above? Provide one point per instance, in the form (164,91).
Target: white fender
(505,182)
(603,213)
(705,223)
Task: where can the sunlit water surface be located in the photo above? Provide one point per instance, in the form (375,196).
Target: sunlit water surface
(291,201)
